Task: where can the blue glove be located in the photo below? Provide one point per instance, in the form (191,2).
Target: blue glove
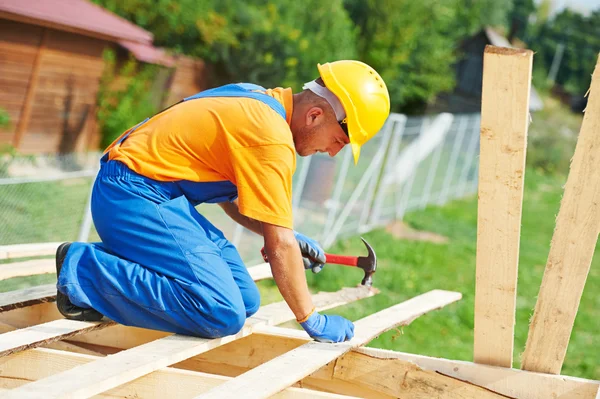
(324,328)
(312,253)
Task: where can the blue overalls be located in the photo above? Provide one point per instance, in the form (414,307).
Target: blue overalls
(162,265)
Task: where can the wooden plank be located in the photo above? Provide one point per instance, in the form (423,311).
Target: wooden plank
(260,272)
(269,342)
(510,382)
(504,123)
(27,268)
(571,249)
(306,359)
(112,371)
(65,346)
(32,337)
(27,297)
(19,369)
(25,250)
(400,378)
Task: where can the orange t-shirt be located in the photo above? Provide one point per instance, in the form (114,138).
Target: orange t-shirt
(232,140)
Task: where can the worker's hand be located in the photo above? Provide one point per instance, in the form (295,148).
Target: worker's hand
(325,328)
(313,254)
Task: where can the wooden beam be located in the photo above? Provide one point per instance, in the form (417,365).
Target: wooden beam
(112,371)
(504,123)
(306,359)
(29,96)
(19,369)
(25,250)
(509,382)
(27,268)
(400,378)
(27,297)
(270,342)
(60,345)
(571,249)
(260,272)
(43,334)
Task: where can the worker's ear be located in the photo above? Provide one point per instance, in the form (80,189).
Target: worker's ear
(315,116)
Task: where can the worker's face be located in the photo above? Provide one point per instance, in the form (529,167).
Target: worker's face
(318,132)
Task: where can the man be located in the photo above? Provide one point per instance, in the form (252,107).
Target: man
(162,265)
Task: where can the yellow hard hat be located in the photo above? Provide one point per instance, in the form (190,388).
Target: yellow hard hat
(363,94)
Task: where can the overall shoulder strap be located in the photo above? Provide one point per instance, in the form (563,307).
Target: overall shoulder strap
(247,90)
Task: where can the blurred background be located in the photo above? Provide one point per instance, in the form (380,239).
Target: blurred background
(75,74)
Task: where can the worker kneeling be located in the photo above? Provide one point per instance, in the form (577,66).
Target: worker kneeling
(161,264)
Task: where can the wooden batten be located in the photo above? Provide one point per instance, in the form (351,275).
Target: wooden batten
(36,364)
(306,359)
(504,123)
(571,249)
(125,366)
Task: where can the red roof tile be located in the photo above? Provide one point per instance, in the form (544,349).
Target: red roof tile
(79,14)
(148,53)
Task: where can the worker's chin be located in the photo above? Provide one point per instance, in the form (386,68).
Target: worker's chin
(305,152)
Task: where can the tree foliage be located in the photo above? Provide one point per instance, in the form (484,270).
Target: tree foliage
(413,43)
(273,43)
(580,36)
(124,97)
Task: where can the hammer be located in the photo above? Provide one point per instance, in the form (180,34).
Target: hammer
(367,263)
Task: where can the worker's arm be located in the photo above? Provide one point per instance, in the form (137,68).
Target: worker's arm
(231,209)
(313,255)
(288,271)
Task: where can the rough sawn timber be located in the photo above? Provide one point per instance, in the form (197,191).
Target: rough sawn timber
(304,360)
(117,369)
(504,122)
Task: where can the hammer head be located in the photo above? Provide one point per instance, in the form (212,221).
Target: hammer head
(368,264)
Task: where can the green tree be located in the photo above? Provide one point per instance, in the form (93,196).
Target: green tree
(580,36)
(413,44)
(277,42)
(124,97)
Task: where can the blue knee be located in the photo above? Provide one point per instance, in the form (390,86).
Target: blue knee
(229,320)
(251,297)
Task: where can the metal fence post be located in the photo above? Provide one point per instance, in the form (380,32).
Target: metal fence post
(237,235)
(300,185)
(86,223)
(434,167)
(380,154)
(397,133)
(341,219)
(407,189)
(337,192)
(453,159)
(470,155)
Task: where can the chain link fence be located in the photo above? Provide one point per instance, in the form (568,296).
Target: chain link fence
(412,163)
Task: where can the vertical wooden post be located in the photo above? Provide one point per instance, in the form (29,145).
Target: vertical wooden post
(504,123)
(571,249)
(33,80)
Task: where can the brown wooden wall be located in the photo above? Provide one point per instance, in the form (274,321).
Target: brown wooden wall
(69,72)
(70,67)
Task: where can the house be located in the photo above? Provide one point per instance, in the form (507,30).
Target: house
(466,96)
(50,68)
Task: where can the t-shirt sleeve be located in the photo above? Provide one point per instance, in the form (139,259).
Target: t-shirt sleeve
(264,181)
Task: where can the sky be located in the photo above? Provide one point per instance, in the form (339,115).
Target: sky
(583,6)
